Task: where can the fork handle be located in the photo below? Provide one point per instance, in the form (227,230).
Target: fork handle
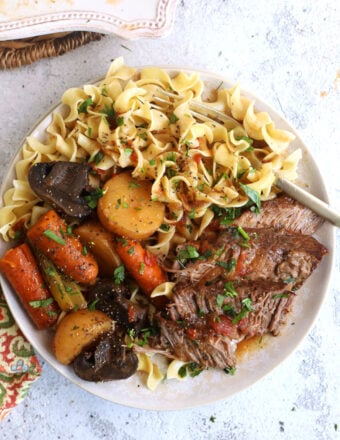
(307,199)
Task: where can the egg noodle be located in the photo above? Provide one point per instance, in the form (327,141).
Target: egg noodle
(193,165)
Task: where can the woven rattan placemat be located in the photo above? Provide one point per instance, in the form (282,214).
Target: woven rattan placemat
(17,53)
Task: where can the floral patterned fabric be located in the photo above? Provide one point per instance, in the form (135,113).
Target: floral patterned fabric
(19,367)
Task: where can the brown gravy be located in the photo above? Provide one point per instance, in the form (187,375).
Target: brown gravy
(248,346)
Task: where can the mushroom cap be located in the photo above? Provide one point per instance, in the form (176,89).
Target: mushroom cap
(110,359)
(63,185)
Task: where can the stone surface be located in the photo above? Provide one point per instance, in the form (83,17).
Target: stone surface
(287,52)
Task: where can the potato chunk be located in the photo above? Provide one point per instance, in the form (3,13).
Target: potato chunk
(101,243)
(126,207)
(76,331)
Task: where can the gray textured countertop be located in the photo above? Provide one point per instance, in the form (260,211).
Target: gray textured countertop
(287,52)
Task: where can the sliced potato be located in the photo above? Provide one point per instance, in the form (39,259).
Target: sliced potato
(76,331)
(94,236)
(127,209)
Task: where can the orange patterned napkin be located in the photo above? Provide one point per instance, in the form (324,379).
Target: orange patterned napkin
(19,367)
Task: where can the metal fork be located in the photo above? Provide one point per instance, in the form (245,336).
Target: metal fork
(206,113)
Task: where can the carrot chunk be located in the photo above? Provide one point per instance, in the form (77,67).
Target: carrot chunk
(50,235)
(142,266)
(21,270)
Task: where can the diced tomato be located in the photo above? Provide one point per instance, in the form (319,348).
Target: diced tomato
(222,325)
(192,333)
(197,157)
(241,268)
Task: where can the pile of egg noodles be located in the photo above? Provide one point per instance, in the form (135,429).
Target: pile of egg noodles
(193,164)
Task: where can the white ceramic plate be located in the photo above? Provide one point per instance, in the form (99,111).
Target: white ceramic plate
(128,19)
(211,385)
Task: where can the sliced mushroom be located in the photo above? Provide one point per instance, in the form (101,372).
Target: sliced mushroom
(63,185)
(109,360)
(112,299)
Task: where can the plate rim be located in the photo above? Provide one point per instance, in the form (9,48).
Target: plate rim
(331,255)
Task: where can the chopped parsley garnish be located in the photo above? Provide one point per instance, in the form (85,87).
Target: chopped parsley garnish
(109,115)
(173,119)
(192,368)
(141,269)
(280,295)
(133,184)
(243,233)
(246,308)
(230,370)
(254,196)
(83,106)
(53,236)
(119,274)
(143,136)
(192,213)
(220,300)
(152,162)
(92,198)
(229,289)
(128,151)
(97,157)
(164,227)
(245,138)
(289,280)
(92,305)
(228,265)
(187,253)
(226,216)
(41,303)
(171,156)
(120,121)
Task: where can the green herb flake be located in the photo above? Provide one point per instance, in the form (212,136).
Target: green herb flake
(43,303)
(192,213)
(92,305)
(53,236)
(89,132)
(133,184)
(141,269)
(84,250)
(228,265)
(152,162)
(143,136)
(246,308)
(253,196)
(243,233)
(280,295)
(119,274)
(164,227)
(245,138)
(289,280)
(173,119)
(131,250)
(229,289)
(97,158)
(83,106)
(120,121)
(187,253)
(219,300)
(92,198)
(69,230)
(212,419)
(230,370)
